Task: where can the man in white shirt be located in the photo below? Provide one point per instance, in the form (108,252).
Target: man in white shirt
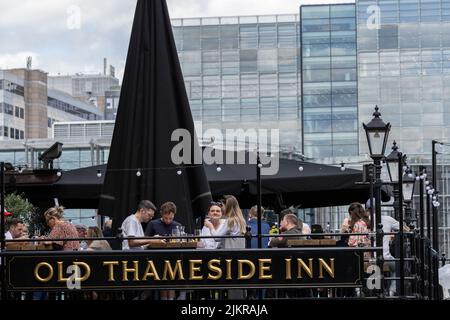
(389,225)
(132,226)
(15,230)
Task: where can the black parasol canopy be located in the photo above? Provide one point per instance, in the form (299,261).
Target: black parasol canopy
(153,104)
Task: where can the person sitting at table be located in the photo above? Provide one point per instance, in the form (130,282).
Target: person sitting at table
(132,226)
(15,230)
(93,245)
(164,225)
(61,229)
(215,213)
(289,225)
(253,224)
(235,226)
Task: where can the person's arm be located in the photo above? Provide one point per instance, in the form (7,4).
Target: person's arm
(208,243)
(278,242)
(222,230)
(133,232)
(139,243)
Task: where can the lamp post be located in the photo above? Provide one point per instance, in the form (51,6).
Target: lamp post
(409,183)
(377,133)
(392,163)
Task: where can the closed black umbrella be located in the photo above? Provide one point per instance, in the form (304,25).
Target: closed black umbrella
(153,104)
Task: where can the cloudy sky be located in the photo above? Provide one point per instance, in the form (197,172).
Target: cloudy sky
(70,36)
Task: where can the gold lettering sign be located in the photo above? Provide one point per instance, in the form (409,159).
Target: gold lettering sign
(126,270)
(212,266)
(228,261)
(60,273)
(85,266)
(110,265)
(193,268)
(263,267)
(173,271)
(37,274)
(151,272)
(87,270)
(329,269)
(288,269)
(302,266)
(249,275)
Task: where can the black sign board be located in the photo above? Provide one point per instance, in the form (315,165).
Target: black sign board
(182,269)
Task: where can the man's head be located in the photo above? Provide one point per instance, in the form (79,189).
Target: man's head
(146,211)
(215,211)
(82,230)
(168,211)
(289,221)
(16,228)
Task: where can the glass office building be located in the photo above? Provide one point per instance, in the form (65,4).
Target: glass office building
(404,67)
(243,72)
(329,86)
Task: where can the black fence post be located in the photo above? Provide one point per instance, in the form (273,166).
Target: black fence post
(248,238)
(3,266)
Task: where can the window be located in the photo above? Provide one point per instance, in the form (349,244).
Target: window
(17,112)
(314,12)
(388,37)
(5,131)
(11,133)
(17,134)
(6,108)
(22,113)
(191,38)
(49,122)
(22,135)
(248,60)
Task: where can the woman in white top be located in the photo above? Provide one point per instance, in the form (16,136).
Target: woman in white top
(215,213)
(235,225)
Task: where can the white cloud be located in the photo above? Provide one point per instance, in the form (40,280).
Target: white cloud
(18,60)
(39,28)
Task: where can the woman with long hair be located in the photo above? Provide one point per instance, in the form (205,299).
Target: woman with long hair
(94,245)
(358,222)
(235,225)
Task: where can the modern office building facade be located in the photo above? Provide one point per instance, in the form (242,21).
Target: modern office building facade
(95,89)
(329,80)
(243,72)
(28,108)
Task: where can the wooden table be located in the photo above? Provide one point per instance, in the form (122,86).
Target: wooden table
(21,246)
(311,242)
(173,245)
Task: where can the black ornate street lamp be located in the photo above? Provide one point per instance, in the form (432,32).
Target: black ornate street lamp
(377,133)
(409,183)
(392,163)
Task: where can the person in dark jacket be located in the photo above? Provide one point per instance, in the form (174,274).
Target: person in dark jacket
(289,225)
